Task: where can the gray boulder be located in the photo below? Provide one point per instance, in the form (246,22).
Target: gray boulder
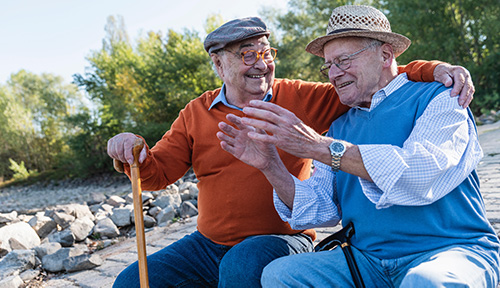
(165,216)
(165,200)
(81,228)
(16,262)
(54,262)
(116,201)
(11,282)
(47,248)
(106,228)
(63,219)
(188,210)
(64,237)
(21,232)
(8,217)
(79,211)
(42,225)
(82,262)
(121,216)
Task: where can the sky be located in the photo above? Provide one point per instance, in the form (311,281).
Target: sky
(55,36)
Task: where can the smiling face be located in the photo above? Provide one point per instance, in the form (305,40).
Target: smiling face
(356,84)
(244,83)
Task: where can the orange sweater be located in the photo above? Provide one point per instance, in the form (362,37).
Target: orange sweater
(235,200)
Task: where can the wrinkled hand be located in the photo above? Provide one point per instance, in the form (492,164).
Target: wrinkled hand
(461,80)
(285,130)
(120,148)
(236,141)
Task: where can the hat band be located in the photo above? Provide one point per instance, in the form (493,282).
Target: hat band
(344,30)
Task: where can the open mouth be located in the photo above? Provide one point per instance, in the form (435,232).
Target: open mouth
(345,84)
(256,76)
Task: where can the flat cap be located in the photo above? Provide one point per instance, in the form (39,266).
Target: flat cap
(234,31)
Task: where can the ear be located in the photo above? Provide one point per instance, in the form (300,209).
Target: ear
(387,54)
(218,64)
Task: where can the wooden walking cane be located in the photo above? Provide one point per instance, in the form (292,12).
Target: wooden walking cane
(135,178)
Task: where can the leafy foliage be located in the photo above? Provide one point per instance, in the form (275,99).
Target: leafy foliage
(304,21)
(461,32)
(33,110)
(140,86)
(139,89)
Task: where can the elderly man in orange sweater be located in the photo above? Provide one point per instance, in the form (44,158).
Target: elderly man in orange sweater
(239,231)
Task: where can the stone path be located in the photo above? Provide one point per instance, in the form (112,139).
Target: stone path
(120,255)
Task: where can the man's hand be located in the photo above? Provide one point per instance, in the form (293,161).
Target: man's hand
(120,148)
(461,80)
(285,130)
(252,152)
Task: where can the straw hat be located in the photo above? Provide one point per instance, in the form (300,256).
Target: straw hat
(359,21)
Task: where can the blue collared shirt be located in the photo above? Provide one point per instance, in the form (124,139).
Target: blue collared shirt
(222,98)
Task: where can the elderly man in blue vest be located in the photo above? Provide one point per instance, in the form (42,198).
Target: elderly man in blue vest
(399,166)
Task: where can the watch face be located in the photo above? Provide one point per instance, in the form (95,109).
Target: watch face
(337,147)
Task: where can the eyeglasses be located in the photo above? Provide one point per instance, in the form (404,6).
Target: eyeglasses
(343,62)
(250,57)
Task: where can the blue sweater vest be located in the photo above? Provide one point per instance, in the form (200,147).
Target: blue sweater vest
(459,218)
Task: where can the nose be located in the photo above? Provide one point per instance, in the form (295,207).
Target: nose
(335,72)
(260,64)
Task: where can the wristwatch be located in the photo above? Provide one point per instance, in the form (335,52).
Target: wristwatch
(337,149)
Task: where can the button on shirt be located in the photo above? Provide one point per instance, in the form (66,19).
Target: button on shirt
(441,151)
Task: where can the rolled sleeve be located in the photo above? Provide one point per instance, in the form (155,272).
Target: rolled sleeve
(313,205)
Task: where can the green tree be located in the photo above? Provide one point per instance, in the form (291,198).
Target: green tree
(141,89)
(33,116)
(293,30)
(463,32)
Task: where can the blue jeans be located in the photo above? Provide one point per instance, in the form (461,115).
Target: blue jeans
(450,267)
(195,261)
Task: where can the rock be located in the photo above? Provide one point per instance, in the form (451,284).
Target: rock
(171,189)
(29,274)
(191,187)
(116,201)
(54,262)
(149,221)
(145,195)
(96,198)
(154,211)
(16,261)
(16,245)
(47,248)
(165,200)
(3,251)
(106,228)
(8,217)
(21,232)
(121,216)
(42,225)
(11,282)
(188,210)
(79,211)
(82,228)
(165,216)
(63,219)
(82,262)
(107,208)
(65,238)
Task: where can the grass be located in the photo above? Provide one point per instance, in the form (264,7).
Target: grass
(39,177)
